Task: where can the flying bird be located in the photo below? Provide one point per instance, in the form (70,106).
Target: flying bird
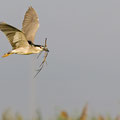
(22,41)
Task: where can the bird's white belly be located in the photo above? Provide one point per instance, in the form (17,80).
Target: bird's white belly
(24,51)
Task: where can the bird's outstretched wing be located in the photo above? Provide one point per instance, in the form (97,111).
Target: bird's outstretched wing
(30,24)
(15,36)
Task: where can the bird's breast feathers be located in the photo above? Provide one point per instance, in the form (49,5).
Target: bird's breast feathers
(26,50)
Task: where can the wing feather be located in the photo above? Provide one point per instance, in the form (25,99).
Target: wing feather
(30,24)
(15,36)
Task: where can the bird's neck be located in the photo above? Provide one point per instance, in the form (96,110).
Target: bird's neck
(31,43)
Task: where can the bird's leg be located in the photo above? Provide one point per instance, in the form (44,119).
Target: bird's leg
(7,54)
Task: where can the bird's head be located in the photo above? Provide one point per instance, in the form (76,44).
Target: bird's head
(40,47)
(43,48)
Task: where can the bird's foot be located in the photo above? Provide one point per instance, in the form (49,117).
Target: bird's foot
(7,54)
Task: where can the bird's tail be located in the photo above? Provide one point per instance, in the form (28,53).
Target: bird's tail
(7,54)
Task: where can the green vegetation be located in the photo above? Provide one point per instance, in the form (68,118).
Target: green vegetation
(63,115)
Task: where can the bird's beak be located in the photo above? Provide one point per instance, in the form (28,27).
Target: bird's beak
(46,49)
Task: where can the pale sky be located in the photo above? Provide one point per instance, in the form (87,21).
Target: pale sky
(83,62)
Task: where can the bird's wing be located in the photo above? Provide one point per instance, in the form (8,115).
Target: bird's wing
(30,24)
(16,37)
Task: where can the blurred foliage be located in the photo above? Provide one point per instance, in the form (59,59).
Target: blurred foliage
(63,115)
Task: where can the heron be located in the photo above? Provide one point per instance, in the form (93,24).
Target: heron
(22,41)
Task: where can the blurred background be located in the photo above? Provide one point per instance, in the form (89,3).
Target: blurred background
(83,65)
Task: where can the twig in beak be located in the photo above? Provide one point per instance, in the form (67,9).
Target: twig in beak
(42,64)
(39,54)
(46,54)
